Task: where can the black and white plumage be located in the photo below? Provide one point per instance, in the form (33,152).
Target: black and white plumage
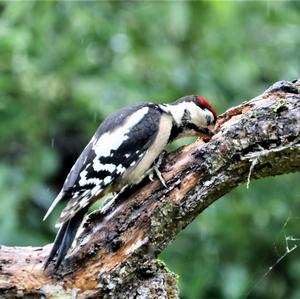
(121,152)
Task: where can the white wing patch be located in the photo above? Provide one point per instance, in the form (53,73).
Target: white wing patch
(85,181)
(198,115)
(110,141)
(96,190)
(107,180)
(104,147)
(98,166)
(106,143)
(120,169)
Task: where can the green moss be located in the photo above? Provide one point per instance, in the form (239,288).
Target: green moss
(161,264)
(280,106)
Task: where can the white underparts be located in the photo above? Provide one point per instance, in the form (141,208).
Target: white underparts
(137,173)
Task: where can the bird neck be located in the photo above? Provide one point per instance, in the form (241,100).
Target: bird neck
(180,112)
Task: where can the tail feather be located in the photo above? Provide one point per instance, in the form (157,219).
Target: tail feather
(73,225)
(54,203)
(65,238)
(56,245)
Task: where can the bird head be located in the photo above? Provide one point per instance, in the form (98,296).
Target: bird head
(194,115)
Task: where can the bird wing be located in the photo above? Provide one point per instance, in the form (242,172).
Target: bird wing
(121,140)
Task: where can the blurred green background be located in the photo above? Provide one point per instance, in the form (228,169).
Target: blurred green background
(64,66)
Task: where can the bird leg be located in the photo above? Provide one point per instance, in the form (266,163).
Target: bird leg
(154,170)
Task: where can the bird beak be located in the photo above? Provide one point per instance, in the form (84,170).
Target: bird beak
(205,131)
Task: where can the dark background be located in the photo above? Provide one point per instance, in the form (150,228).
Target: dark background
(64,66)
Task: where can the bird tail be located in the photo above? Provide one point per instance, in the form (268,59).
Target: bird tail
(65,238)
(53,205)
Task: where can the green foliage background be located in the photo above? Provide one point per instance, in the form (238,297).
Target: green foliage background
(64,66)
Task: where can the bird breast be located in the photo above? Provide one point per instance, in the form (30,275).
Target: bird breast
(138,171)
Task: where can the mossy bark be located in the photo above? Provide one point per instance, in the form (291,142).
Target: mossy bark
(115,255)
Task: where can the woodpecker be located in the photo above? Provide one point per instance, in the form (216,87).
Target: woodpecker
(121,153)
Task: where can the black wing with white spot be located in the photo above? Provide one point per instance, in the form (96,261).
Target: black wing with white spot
(119,142)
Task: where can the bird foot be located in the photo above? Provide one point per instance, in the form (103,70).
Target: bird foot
(154,171)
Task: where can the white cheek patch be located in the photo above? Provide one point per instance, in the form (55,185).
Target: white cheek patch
(200,117)
(177,112)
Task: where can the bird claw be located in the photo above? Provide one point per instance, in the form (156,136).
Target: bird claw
(151,176)
(160,177)
(155,171)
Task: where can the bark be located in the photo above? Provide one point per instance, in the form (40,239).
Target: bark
(115,254)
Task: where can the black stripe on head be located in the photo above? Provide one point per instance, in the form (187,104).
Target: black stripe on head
(186,118)
(187,127)
(193,127)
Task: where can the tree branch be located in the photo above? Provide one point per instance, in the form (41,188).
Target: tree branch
(116,249)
